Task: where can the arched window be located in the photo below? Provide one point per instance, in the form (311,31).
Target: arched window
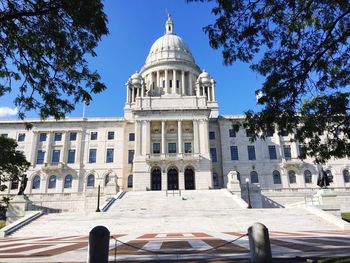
(308,177)
(346,176)
(36,182)
(276,177)
(215,179)
(107,179)
(130,179)
(14,184)
(330,176)
(68,181)
(90,180)
(52,182)
(292,177)
(254,178)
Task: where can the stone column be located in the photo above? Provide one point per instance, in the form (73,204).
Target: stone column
(48,148)
(158,77)
(183,83)
(195,137)
(179,135)
(174,81)
(190,81)
(132,95)
(34,148)
(166,82)
(204,145)
(163,137)
(127,94)
(181,179)
(164,179)
(137,138)
(148,137)
(63,158)
(197,89)
(142,89)
(213,90)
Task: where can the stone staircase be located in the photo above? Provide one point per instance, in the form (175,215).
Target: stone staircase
(193,211)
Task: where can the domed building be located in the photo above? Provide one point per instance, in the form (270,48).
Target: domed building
(170,138)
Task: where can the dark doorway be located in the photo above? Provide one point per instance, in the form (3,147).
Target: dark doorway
(156,179)
(189,179)
(173,179)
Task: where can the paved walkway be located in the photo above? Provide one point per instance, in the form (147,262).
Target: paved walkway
(176,246)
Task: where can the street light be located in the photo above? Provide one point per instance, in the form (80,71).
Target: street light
(98,199)
(249,204)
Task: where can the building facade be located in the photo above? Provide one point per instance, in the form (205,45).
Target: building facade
(171,137)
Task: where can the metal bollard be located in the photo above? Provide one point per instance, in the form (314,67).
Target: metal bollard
(259,243)
(98,245)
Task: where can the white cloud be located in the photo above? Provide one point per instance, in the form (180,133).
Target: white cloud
(7,111)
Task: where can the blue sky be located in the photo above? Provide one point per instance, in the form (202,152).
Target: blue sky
(134,25)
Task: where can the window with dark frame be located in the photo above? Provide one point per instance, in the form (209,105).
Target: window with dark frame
(131,137)
(156,148)
(21,137)
(58,136)
(110,155)
(234,153)
(110,135)
(72,136)
(92,156)
(251,152)
(93,136)
(272,152)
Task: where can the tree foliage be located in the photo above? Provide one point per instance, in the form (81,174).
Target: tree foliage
(43,45)
(302,49)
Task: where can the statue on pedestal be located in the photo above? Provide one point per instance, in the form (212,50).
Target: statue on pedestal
(322,180)
(23,185)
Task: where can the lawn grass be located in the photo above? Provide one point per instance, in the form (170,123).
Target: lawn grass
(334,260)
(346,216)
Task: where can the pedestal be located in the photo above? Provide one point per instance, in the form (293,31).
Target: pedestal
(110,188)
(328,201)
(16,208)
(232,182)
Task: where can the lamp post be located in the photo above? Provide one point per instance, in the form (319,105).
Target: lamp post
(249,204)
(98,199)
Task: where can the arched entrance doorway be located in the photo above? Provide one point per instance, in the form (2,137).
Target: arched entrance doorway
(156,179)
(189,179)
(173,179)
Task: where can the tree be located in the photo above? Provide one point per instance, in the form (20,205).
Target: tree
(43,44)
(301,48)
(13,165)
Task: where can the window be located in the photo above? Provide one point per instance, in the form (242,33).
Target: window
(272,152)
(131,137)
(110,155)
(287,152)
(292,177)
(52,182)
(234,153)
(14,184)
(177,83)
(21,137)
(156,148)
(107,179)
(171,147)
(284,133)
(92,156)
(4,135)
(276,177)
(73,136)
(163,82)
(213,155)
(215,179)
(36,182)
(40,157)
(58,136)
(232,133)
(330,176)
(254,178)
(71,156)
(251,152)
(90,181)
(346,176)
(131,156)
(68,181)
(211,135)
(110,135)
(248,133)
(308,177)
(56,156)
(170,83)
(93,136)
(130,181)
(188,147)
(42,137)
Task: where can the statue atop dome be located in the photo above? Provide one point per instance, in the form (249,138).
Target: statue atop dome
(169,25)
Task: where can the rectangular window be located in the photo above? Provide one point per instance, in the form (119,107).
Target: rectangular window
(234,153)
(232,133)
(213,155)
(110,155)
(131,156)
(58,136)
(21,137)
(177,84)
(42,137)
(170,83)
(56,156)
(211,135)
(92,156)
(251,152)
(249,133)
(188,147)
(156,148)
(73,136)
(93,136)
(40,157)
(110,135)
(171,147)
(272,152)
(71,156)
(4,135)
(131,137)
(287,152)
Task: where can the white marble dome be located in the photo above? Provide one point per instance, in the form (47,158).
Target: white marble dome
(204,77)
(136,78)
